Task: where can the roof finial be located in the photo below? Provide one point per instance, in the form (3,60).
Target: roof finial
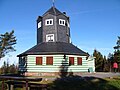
(53,2)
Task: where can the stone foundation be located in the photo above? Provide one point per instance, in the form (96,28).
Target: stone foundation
(41,73)
(54,73)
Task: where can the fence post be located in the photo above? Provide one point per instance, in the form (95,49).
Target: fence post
(26,84)
(2,84)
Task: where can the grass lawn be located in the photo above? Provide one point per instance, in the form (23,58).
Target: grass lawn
(79,83)
(114,82)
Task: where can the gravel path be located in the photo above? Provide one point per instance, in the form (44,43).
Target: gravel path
(92,75)
(99,74)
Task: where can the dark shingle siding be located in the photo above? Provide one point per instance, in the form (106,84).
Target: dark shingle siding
(61,33)
(39,30)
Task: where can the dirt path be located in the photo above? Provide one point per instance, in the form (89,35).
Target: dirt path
(91,75)
(99,74)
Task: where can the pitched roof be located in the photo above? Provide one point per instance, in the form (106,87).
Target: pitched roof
(47,48)
(53,11)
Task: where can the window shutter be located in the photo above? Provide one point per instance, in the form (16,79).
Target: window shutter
(71,60)
(79,61)
(38,60)
(49,61)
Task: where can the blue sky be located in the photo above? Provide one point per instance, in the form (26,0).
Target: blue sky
(95,24)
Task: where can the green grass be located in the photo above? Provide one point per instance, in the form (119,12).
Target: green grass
(114,82)
(85,84)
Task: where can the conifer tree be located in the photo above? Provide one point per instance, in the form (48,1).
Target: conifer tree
(7,42)
(99,63)
(110,61)
(117,51)
(8,69)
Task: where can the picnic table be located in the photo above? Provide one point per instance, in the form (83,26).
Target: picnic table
(26,80)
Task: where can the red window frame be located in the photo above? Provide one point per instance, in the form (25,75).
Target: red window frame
(49,60)
(79,61)
(71,60)
(38,60)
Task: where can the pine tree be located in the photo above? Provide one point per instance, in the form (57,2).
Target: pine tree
(99,62)
(110,61)
(5,68)
(7,42)
(106,65)
(117,51)
(13,69)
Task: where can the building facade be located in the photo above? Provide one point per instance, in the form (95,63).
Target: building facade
(54,49)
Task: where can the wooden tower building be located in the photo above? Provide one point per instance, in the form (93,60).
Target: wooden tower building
(54,49)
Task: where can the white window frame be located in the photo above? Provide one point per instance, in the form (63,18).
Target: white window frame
(62,22)
(49,22)
(50,37)
(39,24)
(68,24)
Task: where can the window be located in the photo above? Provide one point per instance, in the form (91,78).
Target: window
(61,22)
(22,61)
(49,22)
(71,60)
(49,60)
(50,38)
(79,61)
(38,60)
(39,24)
(68,24)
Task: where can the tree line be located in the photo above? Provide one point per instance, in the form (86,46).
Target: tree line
(106,64)
(8,68)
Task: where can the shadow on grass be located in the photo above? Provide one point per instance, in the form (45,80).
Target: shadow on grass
(80,83)
(68,81)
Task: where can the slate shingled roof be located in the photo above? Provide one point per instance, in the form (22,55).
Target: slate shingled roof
(53,11)
(49,48)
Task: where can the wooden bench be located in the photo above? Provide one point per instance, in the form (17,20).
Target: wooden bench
(23,81)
